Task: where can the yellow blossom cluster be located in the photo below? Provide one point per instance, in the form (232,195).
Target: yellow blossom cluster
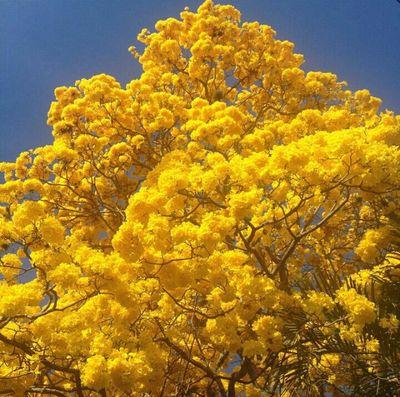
(222,225)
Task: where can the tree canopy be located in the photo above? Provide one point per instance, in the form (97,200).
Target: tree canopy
(224,225)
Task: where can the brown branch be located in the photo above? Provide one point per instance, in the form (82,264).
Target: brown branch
(181,353)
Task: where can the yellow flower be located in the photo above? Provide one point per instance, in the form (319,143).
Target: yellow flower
(225,209)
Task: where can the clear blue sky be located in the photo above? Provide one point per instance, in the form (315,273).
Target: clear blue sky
(47,43)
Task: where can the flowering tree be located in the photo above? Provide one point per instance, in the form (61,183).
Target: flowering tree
(224,225)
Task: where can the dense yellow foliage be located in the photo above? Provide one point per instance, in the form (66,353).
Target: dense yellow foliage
(221,225)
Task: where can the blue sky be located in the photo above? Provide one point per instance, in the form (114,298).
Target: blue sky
(47,43)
